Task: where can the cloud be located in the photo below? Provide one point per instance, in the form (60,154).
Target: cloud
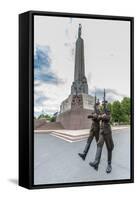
(43,66)
(111,94)
(89,77)
(49,111)
(42,57)
(47,97)
(40,100)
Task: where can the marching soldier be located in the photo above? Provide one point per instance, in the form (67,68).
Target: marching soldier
(104,136)
(94,131)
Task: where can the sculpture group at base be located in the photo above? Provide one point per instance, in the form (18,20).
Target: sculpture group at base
(101,130)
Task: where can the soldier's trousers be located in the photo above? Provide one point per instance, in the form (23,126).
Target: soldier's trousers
(107,139)
(109,144)
(89,140)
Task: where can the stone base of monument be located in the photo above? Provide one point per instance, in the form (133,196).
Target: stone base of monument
(71,135)
(74,112)
(75,119)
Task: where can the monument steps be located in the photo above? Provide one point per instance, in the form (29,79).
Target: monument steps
(78,135)
(70,137)
(50,126)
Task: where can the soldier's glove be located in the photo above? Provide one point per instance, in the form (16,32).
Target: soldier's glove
(104,115)
(100,117)
(90,116)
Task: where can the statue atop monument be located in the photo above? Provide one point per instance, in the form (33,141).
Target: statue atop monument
(79,84)
(79,30)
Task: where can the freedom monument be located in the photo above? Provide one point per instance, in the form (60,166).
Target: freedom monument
(75,109)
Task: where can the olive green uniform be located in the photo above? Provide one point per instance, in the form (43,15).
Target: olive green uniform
(94,132)
(105,135)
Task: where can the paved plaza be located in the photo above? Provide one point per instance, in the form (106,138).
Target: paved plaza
(57,160)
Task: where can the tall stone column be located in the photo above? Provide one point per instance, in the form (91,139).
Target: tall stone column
(79,85)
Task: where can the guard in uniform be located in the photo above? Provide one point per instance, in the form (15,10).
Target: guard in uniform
(94,131)
(104,136)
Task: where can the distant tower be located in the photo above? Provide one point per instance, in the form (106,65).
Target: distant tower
(79,85)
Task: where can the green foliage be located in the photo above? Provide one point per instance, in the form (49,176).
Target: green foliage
(120,111)
(125,106)
(116,111)
(41,116)
(53,119)
(47,117)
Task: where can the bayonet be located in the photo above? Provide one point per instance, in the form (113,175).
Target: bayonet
(95,110)
(104,102)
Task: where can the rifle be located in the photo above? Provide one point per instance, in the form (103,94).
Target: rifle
(95,109)
(104,102)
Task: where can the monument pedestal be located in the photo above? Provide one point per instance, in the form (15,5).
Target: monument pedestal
(75,119)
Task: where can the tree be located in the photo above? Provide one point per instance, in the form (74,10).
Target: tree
(41,116)
(125,106)
(120,111)
(116,111)
(53,119)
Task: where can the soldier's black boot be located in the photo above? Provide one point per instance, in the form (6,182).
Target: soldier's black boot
(83,155)
(95,164)
(109,167)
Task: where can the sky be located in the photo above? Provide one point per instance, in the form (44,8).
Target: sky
(107,59)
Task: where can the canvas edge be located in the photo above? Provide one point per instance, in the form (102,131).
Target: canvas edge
(23,152)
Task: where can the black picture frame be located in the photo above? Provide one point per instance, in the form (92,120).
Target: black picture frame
(26,98)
